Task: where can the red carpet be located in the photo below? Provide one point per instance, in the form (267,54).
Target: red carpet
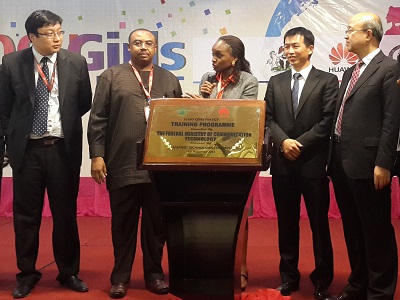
(96,261)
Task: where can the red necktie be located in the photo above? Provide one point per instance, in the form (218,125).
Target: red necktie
(353,80)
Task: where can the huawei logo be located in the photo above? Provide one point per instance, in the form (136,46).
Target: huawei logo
(223,112)
(340,53)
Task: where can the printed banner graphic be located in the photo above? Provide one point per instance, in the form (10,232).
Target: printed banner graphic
(187,29)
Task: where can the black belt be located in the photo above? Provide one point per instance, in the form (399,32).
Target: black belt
(336,138)
(45,142)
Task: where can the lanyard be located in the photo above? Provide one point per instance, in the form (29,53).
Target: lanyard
(222,84)
(43,76)
(139,78)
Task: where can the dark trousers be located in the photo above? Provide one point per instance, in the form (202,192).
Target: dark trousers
(2,164)
(287,194)
(125,204)
(45,168)
(368,231)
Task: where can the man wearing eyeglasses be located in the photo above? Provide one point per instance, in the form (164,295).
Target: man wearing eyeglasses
(363,152)
(117,122)
(44,92)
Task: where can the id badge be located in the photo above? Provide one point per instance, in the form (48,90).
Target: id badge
(146,112)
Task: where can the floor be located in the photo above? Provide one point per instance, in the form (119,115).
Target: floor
(96,261)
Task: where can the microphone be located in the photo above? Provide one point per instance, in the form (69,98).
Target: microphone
(211,79)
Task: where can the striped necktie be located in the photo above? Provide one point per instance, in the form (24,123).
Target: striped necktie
(353,80)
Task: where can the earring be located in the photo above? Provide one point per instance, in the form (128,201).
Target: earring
(233,63)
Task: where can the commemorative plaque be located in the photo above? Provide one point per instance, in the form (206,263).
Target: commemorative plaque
(205,132)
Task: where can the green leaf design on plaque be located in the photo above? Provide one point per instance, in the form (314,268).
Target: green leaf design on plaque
(182,112)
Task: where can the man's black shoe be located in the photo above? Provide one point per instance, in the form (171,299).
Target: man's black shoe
(118,290)
(22,290)
(287,288)
(321,292)
(157,286)
(74,283)
(342,297)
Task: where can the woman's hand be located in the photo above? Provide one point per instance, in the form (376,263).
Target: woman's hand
(206,89)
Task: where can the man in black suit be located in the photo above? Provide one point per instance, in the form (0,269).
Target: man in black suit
(44,93)
(300,107)
(363,152)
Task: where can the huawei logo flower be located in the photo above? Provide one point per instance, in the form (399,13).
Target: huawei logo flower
(223,113)
(340,52)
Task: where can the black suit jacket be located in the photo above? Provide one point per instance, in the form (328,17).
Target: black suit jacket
(370,123)
(17,97)
(310,124)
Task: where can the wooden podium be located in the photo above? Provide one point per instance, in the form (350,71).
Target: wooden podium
(203,156)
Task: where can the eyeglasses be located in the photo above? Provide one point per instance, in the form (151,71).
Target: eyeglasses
(350,31)
(51,35)
(146,44)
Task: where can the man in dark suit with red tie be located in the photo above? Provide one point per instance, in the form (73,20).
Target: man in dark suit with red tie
(363,152)
(300,107)
(45,91)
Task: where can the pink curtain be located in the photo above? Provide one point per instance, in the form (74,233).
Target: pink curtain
(93,199)
(264,206)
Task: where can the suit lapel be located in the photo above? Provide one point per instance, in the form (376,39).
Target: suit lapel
(311,82)
(285,86)
(345,81)
(29,73)
(342,90)
(368,72)
(62,73)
